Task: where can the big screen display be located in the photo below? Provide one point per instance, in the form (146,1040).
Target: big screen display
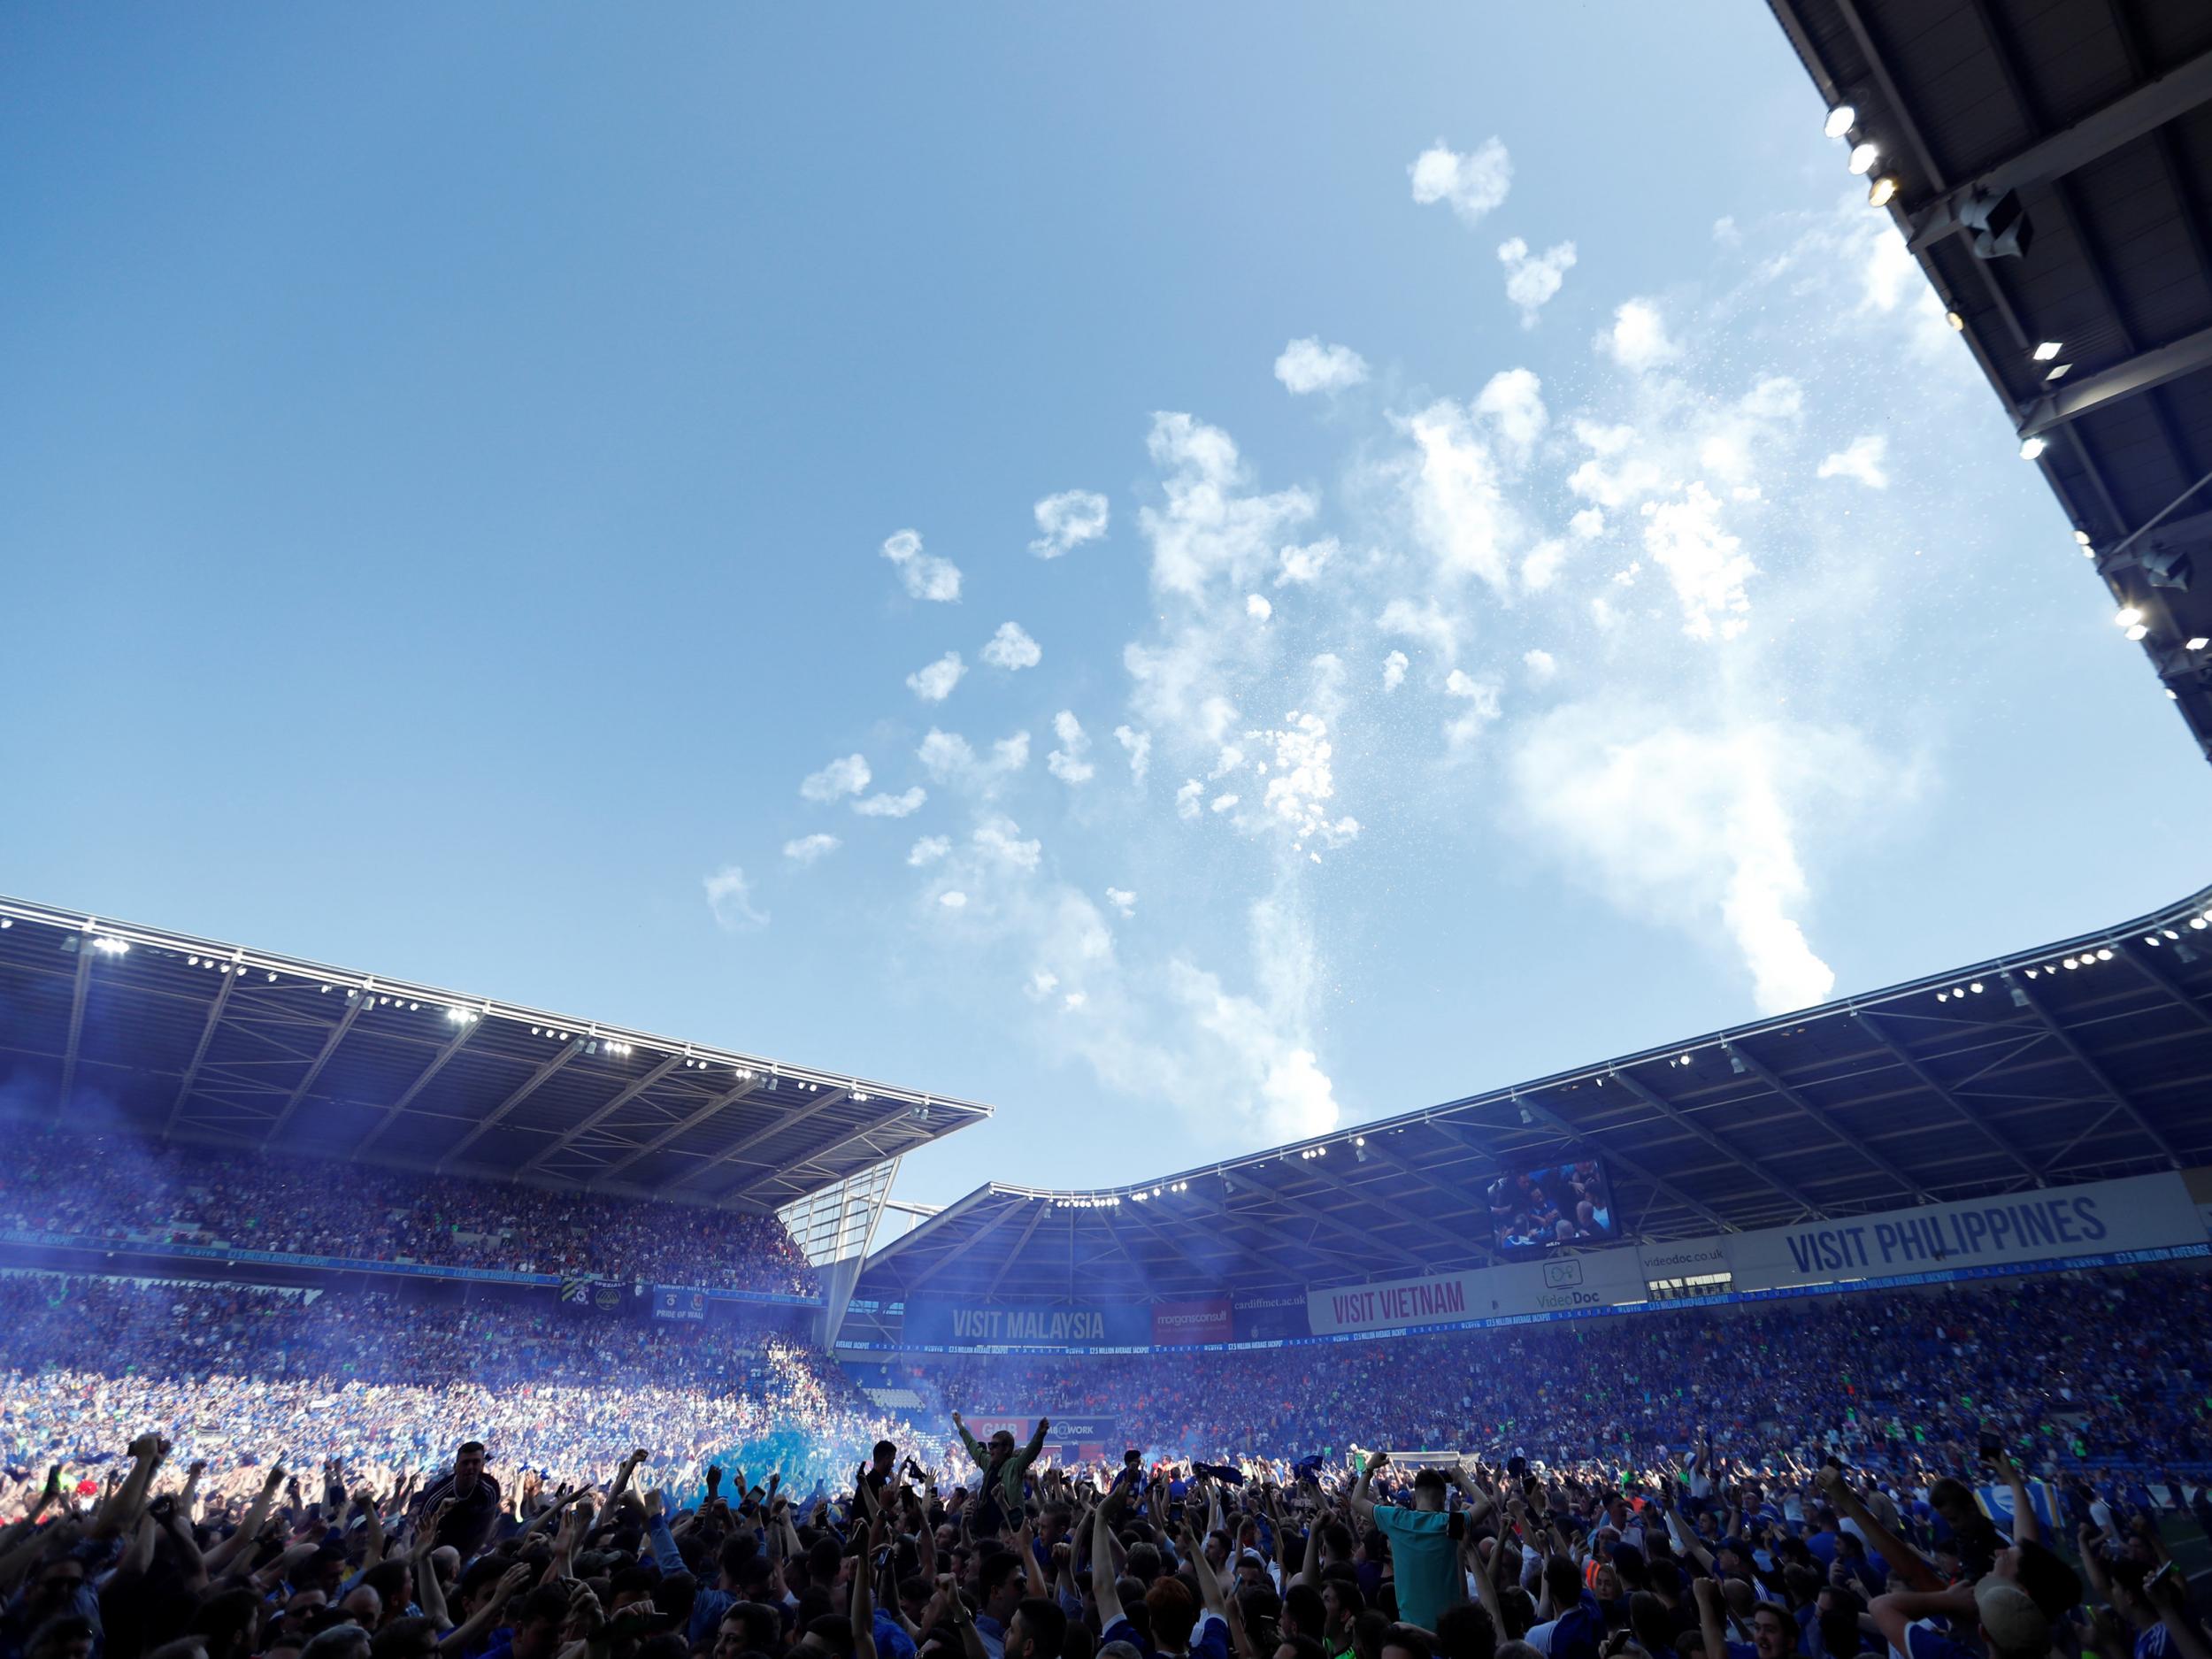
(1553,1206)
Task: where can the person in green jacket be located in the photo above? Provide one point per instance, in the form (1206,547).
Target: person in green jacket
(1003,1468)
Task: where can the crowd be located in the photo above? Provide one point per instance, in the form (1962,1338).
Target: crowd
(1746,1540)
(2108,1368)
(237,1376)
(151,1191)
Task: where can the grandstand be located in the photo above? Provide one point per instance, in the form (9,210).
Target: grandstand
(115,1028)
(2084,1061)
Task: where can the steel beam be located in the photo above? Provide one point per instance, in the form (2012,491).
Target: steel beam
(1367,1241)
(199,1053)
(490,1119)
(451,1047)
(689,1121)
(874,1126)
(1014,1255)
(2152,964)
(953,1252)
(1455,1241)
(600,1114)
(1966,1114)
(2139,373)
(353,1008)
(1683,1120)
(1435,1183)
(2126,119)
(2027,999)
(767,1131)
(1912,1186)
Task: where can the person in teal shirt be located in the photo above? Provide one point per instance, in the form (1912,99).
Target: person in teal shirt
(1423,1555)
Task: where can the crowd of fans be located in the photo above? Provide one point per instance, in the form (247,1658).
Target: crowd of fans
(459,1482)
(151,1191)
(2107,1367)
(238,1376)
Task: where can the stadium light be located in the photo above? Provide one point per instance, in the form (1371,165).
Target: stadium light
(1840,121)
(2047,350)
(2104,955)
(1976,987)
(1863,158)
(2059,372)
(2138,632)
(2031,448)
(1882,191)
(1957,322)
(2198,923)
(2082,536)
(2195,643)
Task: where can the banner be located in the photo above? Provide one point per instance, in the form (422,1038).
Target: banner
(1563,1284)
(1271,1318)
(2100,1218)
(933,1320)
(1186,1323)
(671,1302)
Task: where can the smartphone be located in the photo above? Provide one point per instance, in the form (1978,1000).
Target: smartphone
(1992,1444)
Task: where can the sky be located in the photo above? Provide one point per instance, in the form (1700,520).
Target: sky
(1194,575)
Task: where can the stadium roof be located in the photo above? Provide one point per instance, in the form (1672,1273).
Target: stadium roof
(105,1024)
(2094,117)
(2080,1060)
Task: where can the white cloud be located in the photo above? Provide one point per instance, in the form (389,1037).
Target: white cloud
(1531,280)
(1207,531)
(1586,526)
(903,805)
(1542,664)
(1222,803)
(1300,768)
(927,850)
(1138,746)
(1704,560)
(1539,567)
(1304,564)
(1423,623)
(1067,762)
(1513,401)
(1011,647)
(1188,797)
(1637,339)
(1697,826)
(1483,711)
(1042,983)
(839,778)
(730,900)
(1395,667)
(1724,231)
(1067,520)
(934,682)
(1213,544)
(1123,899)
(1861,458)
(1307,365)
(998,841)
(953,899)
(948,758)
(1257,607)
(926,575)
(1455,490)
(1473,184)
(808,849)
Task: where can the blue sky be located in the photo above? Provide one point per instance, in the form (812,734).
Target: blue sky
(456,470)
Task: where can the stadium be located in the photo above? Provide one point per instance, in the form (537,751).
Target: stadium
(350,1315)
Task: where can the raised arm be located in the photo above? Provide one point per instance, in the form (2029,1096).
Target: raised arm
(1710,1627)
(2026,1527)
(1363,1506)
(863,1607)
(1906,1562)
(1103,1590)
